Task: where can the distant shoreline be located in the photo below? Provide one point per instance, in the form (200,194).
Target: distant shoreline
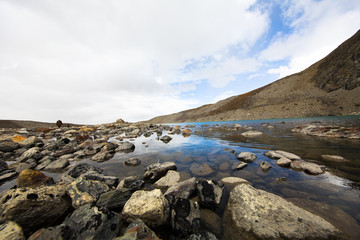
(30,124)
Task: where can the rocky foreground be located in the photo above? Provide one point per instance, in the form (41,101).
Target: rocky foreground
(87,204)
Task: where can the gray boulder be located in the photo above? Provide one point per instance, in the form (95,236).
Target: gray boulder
(102,156)
(256,214)
(171,178)
(157,170)
(126,147)
(283,162)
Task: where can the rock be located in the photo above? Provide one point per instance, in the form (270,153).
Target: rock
(31,142)
(102,156)
(120,121)
(279,154)
(110,181)
(8,146)
(5,175)
(114,200)
(132,183)
(311,168)
(35,208)
(42,165)
(210,192)
(203,235)
(251,133)
(81,168)
(132,162)
(137,230)
(31,153)
(25,165)
(3,166)
(201,169)
(33,178)
(234,180)
(265,166)
(83,191)
(211,221)
(126,147)
(171,178)
(186,132)
(334,158)
(11,230)
(247,156)
(166,138)
(185,216)
(182,189)
(57,165)
(239,166)
(150,206)
(156,170)
(296,165)
(256,214)
(283,162)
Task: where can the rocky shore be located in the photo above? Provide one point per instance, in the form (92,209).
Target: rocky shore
(85,203)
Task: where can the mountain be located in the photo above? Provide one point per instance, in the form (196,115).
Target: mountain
(328,87)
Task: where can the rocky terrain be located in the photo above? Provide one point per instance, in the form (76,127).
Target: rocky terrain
(329,87)
(85,203)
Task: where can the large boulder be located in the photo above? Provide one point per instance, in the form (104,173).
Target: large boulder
(11,230)
(210,192)
(185,216)
(149,206)
(157,170)
(33,178)
(35,208)
(256,214)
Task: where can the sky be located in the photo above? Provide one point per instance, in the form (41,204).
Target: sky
(94,61)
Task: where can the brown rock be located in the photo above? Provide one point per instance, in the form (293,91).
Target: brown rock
(33,178)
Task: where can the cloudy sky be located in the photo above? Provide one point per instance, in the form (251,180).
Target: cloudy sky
(95,61)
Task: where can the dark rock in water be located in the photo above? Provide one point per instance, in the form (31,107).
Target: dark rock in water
(35,208)
(8,146)
(185,216)
(210,192)
(203,235)
(111,181)
(157,170)
(239,166)
(126,147)
(11,230)
(81,168)
(182,189)
(132,161)
(137,230)
(265,166)
(166,138)
(57,165)
(255,214)
(147,134)
(33,178)
(114,200)
(83,191)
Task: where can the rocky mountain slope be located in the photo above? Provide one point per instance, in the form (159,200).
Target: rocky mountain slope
(328,87)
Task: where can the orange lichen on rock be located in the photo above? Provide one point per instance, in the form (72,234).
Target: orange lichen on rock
(18,138)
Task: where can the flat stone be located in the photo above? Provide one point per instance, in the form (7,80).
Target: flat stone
(31,153)
(57,165)
(283,162)
(251,133)
(171,178)
(82,168)
(102,156)
(334,158)
(311,168)
(201,169)
(8,146)
(7,175)
(110,181)
(11,230)
(255,214)
(247,156)
(149,206)
(239,166)
(42,165)
(31,142)
(279,154)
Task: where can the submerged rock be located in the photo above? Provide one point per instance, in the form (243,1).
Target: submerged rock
(234,180)
(156,170)
(210,192)
(334,158)
(201,169)
(256,214)
(265,166)
(149,206)
(239,166)
(132,161)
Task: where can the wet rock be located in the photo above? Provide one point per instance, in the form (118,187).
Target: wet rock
(201,169)
(31,142)
(185,216)
(334,158)
(137,230)
(277,154)
(186,132)
(3,166)
(283,162)
(11,230)
(132,162)
(114,200)
(82,168)
(296,165)
(8,146)
(157,170)
(170,179)
(33,178)
(102,156)
(57,165)
(133,183)
(154,210)
(166,138)
(126,147)
(265,166)
(256,214)
(311,168)
(251,133)
(239,166)
(247,156)
(210,192)
(31,153)
(182,189)
(35,208)
(234,180)
(83,191)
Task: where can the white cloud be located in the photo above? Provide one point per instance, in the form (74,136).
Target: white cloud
(73,59)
